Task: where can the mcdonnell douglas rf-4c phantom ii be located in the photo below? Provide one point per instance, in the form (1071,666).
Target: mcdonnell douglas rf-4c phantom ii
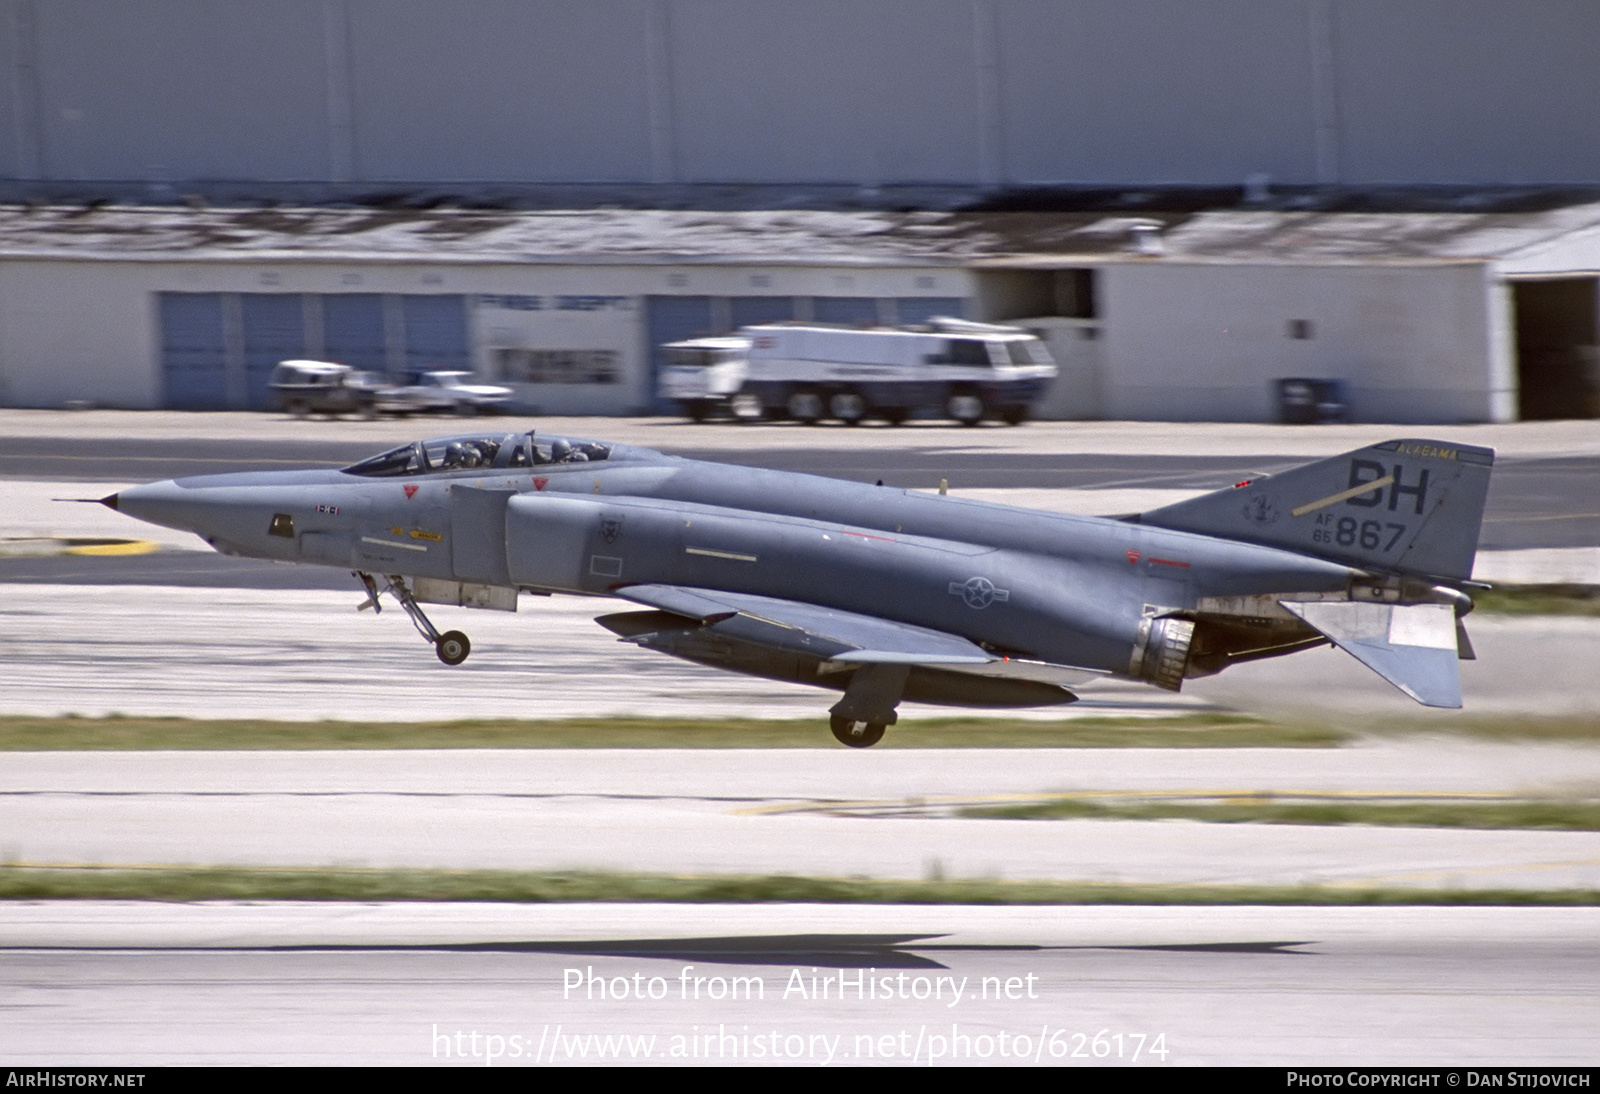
(881,593)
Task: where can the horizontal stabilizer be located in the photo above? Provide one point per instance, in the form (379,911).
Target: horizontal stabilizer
(827,633)
(1413,646)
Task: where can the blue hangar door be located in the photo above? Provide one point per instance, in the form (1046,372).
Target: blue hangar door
(194,349)
(274,329)
(218,350)
(354,331)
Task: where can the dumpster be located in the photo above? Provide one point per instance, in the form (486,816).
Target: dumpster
(1311,402)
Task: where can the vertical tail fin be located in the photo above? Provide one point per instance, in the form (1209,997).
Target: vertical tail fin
(1409,507)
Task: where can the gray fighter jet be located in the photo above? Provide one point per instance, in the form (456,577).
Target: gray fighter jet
(880,593)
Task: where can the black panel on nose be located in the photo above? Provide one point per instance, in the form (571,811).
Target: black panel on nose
(109,501)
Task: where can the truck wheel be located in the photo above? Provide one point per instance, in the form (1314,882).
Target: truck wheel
(965,408)
(746,407)
(894,415)
(696,410)
(805,406)
(848,406)
(299,408)
(1015,415)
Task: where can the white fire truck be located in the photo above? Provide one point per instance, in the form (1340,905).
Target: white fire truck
(810,372)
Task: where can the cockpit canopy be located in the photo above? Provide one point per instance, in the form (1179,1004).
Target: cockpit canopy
(478,451)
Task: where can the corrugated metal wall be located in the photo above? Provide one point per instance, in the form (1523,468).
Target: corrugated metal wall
(966,92)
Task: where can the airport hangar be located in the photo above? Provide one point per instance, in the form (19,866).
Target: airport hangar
(1423,317)
(1476,313)
(310,102)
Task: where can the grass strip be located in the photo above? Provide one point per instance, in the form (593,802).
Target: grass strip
(144,734)
(1198,730)
(1538,600)
(1583,816)
(214,883)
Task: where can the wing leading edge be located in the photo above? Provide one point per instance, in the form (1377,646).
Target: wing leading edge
(811,629)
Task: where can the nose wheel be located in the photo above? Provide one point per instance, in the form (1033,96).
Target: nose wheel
(451,646)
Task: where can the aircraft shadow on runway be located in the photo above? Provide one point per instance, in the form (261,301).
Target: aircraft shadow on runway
(838,951)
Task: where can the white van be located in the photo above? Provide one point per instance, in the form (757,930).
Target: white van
(810,371)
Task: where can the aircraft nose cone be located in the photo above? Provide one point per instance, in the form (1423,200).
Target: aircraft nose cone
(164,503)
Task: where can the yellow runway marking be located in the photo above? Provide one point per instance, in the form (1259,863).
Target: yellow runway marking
(1530,520)
(1446,877)
(1220,797)
(121,547)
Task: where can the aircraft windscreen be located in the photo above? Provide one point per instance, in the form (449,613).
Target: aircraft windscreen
(478,452)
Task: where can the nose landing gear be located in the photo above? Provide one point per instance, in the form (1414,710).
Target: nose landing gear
(451,646)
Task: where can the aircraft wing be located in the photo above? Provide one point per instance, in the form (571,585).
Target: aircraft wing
(831,634)
(810,628)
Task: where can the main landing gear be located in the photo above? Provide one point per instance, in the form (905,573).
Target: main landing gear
(856,734)
(451,646)
(867,709)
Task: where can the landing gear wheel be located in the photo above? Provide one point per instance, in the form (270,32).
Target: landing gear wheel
(453,647)
(856,734)
(965,408)
(848,406)
(805,406)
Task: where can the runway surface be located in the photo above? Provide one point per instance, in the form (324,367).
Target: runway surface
(309,654)
(128,985)
(823,812)
(451,985)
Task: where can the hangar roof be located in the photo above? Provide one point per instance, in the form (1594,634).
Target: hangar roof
(790,237)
